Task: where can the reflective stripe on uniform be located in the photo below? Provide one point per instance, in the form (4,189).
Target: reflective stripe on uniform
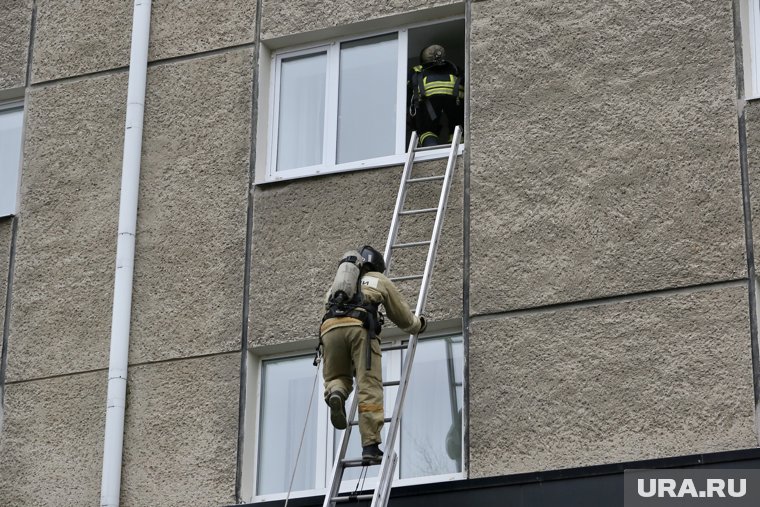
(370,407)
(425,135)
(439,87)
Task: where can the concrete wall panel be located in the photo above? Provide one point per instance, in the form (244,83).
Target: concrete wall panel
(753,159)
(79,37)
(15,27)
(650,378)
(192,212)
(302,228)
(92,35)
(281,18)
(51,448)
(181,433)
(66,244)
(604,150)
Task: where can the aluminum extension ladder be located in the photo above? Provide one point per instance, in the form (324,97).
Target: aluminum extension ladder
(382,490)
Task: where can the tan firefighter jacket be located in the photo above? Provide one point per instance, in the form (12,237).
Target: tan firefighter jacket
(377,288)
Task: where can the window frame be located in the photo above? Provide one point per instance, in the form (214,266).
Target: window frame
(328,438)
(750,20)
(12,105)
(329,164)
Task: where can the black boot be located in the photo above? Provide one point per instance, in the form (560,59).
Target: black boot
(372,452)
(336,401)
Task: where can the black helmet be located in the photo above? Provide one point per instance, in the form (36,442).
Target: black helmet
(372,258)
(433,54)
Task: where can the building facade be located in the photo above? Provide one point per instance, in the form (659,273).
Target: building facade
(594,298)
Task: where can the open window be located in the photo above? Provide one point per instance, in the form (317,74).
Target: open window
(429,444)
(342,104)
(11,126)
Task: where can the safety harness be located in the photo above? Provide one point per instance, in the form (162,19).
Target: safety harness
(368,313)
(432,79)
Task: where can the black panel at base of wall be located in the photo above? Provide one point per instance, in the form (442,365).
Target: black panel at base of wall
(576,487)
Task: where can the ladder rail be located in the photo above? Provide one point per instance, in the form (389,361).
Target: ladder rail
(387,466)
(393,232)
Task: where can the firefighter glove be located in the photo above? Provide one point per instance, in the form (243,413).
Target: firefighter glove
(423,325)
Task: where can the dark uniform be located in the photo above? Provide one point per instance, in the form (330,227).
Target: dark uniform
(436,88)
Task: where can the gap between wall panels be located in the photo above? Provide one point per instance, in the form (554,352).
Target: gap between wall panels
(7,318)
(14,225)
(244,356)
(466,245)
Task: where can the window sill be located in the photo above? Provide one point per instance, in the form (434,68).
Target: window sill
(369,484)
(390,161)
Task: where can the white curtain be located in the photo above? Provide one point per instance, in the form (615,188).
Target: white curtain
(10,157)
(286,387)
(300,133)
(367,98)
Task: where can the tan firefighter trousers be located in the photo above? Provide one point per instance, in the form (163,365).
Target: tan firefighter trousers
(344,355)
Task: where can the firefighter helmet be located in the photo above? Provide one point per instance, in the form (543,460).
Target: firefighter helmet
(372,258)
(432,54)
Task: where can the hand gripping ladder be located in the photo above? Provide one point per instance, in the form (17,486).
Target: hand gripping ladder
(390,459)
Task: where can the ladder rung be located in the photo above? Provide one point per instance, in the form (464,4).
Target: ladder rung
(402,278)
(418,211)
(391,383)
(425,178)
(353,463)
(434,147)
(395,347)
(409,245)
(355,423)
(351,498)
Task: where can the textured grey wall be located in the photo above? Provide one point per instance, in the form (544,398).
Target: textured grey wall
(302,228)
(15,26)
(656,377)
(66,243)
(604,150)
(181,433)
(280,18)
(91,35)
(192,211)
(53,435)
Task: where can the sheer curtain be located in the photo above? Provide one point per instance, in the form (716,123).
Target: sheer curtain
(367,98)
(286,387)
(10,157)
(300,135)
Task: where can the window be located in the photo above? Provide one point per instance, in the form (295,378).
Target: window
(429,443)
(11,122)
(342,105)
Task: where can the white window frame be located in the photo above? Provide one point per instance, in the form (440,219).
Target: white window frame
(9,105)
(326,435)
(329,152)
(750,21)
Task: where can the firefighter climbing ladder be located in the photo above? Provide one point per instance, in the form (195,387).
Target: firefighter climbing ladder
(382,490)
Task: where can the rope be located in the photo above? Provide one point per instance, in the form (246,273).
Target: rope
(303,435)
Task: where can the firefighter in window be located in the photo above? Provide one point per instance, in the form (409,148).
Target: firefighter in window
(436,89)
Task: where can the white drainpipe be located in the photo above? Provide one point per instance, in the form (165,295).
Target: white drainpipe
(125,255)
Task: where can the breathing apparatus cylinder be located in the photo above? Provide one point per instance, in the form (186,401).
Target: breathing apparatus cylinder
(346,281)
